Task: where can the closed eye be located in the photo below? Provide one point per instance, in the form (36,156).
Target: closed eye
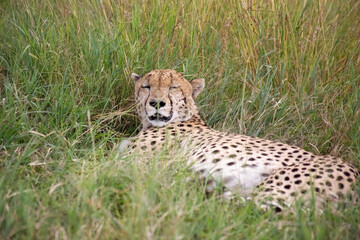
(173,87)
(147,87)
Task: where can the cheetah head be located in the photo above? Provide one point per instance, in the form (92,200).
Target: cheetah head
(164,96)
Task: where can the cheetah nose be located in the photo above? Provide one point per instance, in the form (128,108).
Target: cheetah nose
(157,103)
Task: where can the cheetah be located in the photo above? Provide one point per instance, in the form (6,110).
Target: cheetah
(270,172)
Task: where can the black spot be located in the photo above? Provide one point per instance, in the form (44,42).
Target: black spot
(287,178)
(277,209)
(215,160)
(341,186)
(297,175)
(349,180)
(276,177)
(215,151)
(347,174)
(294,170)
(265,175)
(298,182)
(328,183)
(282,172)
(330,176)
(232,155)
(339,178)
(153,142)
(225,147)
(287,186)
(230,163)
(251,159)
(268,189)
(317,189)
(279,184)
(329,170)
(143,147)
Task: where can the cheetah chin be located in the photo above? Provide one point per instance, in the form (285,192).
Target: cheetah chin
(160,118)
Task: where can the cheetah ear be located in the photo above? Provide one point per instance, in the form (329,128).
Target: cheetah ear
(135,77)
(197,85)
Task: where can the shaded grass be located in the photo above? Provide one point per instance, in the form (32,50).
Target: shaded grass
(283,70)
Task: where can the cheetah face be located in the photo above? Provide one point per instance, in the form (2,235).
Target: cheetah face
(164,96)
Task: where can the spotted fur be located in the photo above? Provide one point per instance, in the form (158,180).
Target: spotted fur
(270,172)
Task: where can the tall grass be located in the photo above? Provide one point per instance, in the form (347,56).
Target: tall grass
(282,70)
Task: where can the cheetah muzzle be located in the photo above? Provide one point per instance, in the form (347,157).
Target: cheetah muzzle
(159,117)
(271,173)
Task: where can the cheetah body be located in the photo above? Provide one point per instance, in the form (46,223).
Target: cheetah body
(244,165)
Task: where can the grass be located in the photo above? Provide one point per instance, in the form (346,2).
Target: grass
(282,70)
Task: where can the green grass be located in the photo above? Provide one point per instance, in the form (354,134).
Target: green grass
(282,70)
